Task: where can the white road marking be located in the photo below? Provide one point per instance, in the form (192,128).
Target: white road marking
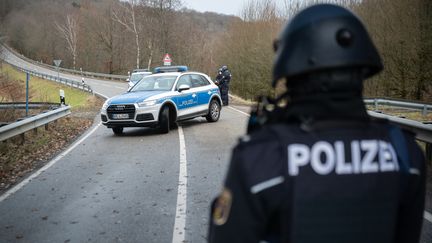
(244,113)
(102,95)
(267,184)
(112,86)
(428,216)
(46,167)
(180,217)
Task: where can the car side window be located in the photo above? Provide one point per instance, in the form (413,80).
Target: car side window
(185,79)
(198,81)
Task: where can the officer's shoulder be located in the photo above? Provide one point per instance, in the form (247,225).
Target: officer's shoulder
(386,124)
(267,134)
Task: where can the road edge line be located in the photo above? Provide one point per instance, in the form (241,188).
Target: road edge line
(101,95)
(179,232)
(23,183)
(244,113)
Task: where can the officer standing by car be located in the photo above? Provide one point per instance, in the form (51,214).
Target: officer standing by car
(222,80)
(315,167)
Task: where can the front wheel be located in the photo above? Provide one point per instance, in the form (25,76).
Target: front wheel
(164,121)
(117,130)
(214,111)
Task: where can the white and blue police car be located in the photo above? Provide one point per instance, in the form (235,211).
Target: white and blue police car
(162,99)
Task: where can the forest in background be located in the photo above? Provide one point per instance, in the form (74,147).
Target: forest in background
(112,36)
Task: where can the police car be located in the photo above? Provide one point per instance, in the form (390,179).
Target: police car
(136,76)
(160,100)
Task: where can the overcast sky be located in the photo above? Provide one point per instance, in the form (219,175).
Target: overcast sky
(232,7)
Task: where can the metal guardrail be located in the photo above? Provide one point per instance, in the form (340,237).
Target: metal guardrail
(32,105)
(75,72)
(30,123)
(69,82)
(423,131)
(400,104)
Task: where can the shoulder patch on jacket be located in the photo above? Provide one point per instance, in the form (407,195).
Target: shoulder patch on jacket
(222,207)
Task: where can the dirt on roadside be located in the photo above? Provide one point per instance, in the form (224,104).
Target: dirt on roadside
(20,157)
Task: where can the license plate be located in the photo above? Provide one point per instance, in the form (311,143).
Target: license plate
(120,116)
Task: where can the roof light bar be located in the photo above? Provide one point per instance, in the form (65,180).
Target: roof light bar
(169,69)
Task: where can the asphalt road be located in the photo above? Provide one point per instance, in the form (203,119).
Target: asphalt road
(108,188)
(122,189)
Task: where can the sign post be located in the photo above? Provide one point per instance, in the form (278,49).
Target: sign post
(167,60)
(27,93)
(57,64)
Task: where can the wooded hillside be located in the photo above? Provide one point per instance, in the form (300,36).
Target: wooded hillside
(113,36)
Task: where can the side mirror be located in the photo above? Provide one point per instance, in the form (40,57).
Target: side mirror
(127,80)
(183,87)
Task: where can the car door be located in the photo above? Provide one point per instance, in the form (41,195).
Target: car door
(185,99)
(201,86)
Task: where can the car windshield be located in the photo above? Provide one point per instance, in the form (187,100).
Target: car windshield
(135,77)
(151,83)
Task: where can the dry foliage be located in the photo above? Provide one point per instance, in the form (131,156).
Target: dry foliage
(11,90)
(116,36)
(17,158)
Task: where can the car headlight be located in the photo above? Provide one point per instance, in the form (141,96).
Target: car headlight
(147,103)
(105,105)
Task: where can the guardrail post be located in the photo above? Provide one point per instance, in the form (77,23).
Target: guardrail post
(22,138)
(27,93)
(424,113)
(376,104)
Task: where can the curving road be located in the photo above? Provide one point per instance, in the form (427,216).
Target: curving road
(139,187)
(123,189)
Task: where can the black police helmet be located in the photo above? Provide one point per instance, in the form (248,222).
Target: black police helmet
(224,68)
(324,37)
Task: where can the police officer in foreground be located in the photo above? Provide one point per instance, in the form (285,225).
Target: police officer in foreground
(223,79)
(317,168)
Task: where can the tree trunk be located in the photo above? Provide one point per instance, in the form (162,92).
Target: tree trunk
(74,60)
(150,60)
(138,50)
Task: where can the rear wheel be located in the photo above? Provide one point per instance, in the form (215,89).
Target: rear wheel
(117,130)
(214,111)
(164,121)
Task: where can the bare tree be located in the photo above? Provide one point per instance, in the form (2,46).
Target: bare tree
(126,16)
(158,16)
(101,27)
(69,32)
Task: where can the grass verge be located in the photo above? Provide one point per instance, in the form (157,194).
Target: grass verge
(41,90)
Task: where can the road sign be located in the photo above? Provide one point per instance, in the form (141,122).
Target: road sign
(57,62)
(167,60)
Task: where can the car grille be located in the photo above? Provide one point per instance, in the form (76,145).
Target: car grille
(121,109)
(145,117)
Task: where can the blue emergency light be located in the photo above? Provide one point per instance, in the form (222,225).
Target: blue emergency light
(170,69)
